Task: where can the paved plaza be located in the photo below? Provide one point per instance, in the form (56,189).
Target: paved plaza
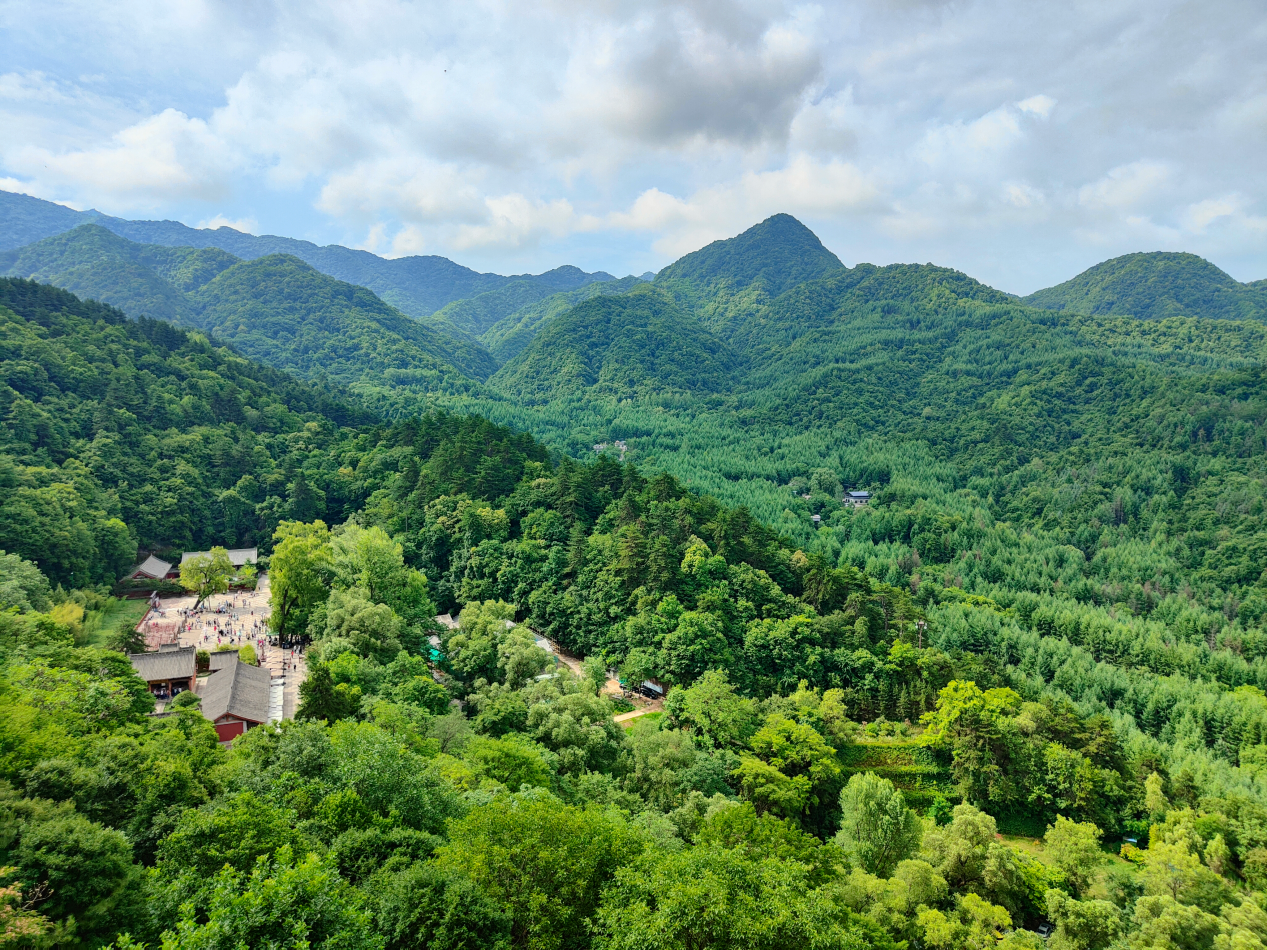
(235,619)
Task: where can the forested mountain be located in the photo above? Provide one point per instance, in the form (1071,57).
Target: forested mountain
(276,309)
(1049,622)
(416,285)
(478,314)
(120,432)
(635,345)
(1156,285)
(511,335)
(25,220)
(777,254)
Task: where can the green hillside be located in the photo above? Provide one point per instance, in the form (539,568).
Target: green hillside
(1154,286)
(1061,626)
(93,262)
(638,344)
(276,309)
(778,253)
(511,335)
(25,220)
(415,285)
(118,432)
(282,312)
(475,315)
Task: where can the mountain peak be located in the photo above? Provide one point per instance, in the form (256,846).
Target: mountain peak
(1153,285)
(780,253)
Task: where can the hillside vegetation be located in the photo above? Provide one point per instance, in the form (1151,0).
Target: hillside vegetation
(1156,285)
(416,285)
(1049,621)
(276,309)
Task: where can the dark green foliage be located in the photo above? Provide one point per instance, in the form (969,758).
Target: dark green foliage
(286,314)
(28,219)
(118,431)
(511,335)
(637,344)
(778,254)
(417,285)
(1154,286)
(275,309)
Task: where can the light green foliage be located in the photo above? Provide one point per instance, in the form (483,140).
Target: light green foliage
(1162,923)
(299,574)
(247,655)
(805,764)
(1074,847)
(975,924)
(514,761)
(370,560)
(717,897)
(372,629)
(1082,925)
(207,574)
(285,902)
(422,908)
(877,830)
(543,861)
(1154,798)
(966,853)
(22,585)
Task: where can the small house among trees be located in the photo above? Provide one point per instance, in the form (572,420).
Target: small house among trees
(857,499)
(238,557)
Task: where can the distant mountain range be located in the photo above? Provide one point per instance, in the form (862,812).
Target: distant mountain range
(754,362)
(417,286)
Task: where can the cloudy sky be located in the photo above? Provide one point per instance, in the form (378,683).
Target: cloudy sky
(1018,141)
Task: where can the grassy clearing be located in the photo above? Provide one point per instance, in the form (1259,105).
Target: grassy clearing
(99,623)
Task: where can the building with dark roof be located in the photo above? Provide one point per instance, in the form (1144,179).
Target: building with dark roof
(168,670)
(151,569)
(223,659)
(235,699)
(237,556)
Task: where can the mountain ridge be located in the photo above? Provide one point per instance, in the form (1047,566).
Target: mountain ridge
(1153,285)
(417,285)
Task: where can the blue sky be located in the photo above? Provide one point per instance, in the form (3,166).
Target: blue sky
(1019,142)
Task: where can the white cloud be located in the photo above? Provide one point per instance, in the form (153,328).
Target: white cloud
(245,225)
(974,133)
(804,187)
(1039,105)
(1126,187)
(514,221)
(164,157)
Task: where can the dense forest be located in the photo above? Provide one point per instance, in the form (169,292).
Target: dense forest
(1023,686)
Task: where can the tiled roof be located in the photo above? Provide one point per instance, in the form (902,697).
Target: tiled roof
(237,556)
(151,567)
(165,664)
(237,690)
(223,658)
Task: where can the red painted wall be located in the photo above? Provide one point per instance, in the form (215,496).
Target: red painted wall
(230,730)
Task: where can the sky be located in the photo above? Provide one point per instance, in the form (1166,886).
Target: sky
(1019,142)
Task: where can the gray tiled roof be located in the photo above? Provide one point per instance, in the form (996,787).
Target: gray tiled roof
(152,567)
(165,664)
(223,658)
(237,556)
(237,690)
